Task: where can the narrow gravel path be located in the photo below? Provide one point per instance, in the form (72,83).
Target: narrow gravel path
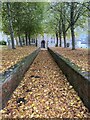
(44,92)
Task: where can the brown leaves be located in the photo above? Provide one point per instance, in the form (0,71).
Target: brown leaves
(79,56)
(11,57)
(47,96)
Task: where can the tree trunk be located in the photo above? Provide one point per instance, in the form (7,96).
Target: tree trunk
(60,33)
(60,39)
(29,39)
(20,41)
(64,33)
(56,39)
(36,42)
(26,39)
(73,37)
(10,25)
(72,26)
(60,26)
(23,41)
(16,42)
(63,18)
(64,37)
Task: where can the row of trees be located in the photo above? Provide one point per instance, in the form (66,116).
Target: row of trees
(22,20)
(65,17)
(25,19)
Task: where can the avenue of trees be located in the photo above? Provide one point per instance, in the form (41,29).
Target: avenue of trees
(67,16)
(24,20)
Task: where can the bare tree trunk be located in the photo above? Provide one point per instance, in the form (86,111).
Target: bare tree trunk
(60,33)
(72,26)
(20,41)
(64,36)
(10,25)
(23,41)
(26,39)
(64,27)
(60,27)
(60,39)
(16,41)
(36,42)
(57,39)
(73,38)
(29,39)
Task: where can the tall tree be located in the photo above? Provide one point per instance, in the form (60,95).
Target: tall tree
(10,24)
(25,18)
(72,25)
(71,13)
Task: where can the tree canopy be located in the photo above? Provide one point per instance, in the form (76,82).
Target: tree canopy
(26,19)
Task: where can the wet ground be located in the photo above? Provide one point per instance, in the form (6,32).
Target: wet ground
(45,92)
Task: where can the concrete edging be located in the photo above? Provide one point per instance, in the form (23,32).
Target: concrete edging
(76,78)
(12,77)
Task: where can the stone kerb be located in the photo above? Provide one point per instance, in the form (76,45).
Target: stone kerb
(11,78)
(79,80)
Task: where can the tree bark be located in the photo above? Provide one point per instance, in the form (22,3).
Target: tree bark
(73,37)
(64,27)
(29,39)
(16,41)
(56,39)
(23,41)
(60,39)
(72,26)
(64,36)
(60,27)
(20,41)
(10,25)
(60,33)
(36,42)
(26,36)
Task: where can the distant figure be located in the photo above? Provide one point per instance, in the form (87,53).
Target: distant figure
(43,44)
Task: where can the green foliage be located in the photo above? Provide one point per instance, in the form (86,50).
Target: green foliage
(27,17)
(36,18)
(3,42)
(66,16)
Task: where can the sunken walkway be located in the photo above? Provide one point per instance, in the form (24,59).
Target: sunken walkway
(44,92)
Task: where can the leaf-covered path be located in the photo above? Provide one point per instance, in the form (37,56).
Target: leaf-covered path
(44,92)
